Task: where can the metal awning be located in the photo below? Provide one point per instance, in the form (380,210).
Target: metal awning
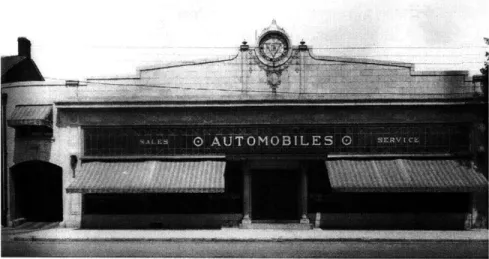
(31,115)
(150,177)
(404,175)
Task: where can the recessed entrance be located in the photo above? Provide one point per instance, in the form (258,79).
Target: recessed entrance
(275,195)
(37,191)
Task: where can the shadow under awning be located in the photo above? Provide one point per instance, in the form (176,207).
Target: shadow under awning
(150,177)
(404,175)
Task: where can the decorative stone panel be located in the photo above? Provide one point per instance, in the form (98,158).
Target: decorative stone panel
(32,149)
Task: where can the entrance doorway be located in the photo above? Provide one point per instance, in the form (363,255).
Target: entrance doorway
(37,191)
(275,195)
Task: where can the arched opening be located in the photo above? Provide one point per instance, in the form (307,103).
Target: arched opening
(37,192)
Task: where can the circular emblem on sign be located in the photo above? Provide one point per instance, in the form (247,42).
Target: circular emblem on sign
(346,140)
(198,141)
(274,47)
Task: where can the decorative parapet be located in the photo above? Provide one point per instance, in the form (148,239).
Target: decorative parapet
(479,86)
(244,46)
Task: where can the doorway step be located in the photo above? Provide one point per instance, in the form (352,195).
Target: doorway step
(289,226)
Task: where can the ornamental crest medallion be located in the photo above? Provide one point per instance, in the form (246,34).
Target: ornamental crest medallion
(274,48)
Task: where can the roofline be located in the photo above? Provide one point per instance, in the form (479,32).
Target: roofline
(188,63)
(8,68)
(40,104)
(411,66)
(358,60)
(479,78)
(310,50)
(23,60)
(39,84)
(164,66)
(266,103)
(116,77)
(37,69)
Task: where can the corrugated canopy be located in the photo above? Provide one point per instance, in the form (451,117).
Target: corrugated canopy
(404,175)
(150,177)
(31,115)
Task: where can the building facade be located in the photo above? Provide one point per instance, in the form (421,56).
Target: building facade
(15,68)
(274,136)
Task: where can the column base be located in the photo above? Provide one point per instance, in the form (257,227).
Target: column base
(304,220)
(16,222)
(71,222)
(245,222)
(468,221)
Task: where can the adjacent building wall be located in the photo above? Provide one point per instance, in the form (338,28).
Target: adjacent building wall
(55,150)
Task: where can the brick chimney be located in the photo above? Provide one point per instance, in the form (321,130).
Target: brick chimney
(24,47)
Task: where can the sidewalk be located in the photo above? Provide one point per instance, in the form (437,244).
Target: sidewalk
(27,227)
(234,234)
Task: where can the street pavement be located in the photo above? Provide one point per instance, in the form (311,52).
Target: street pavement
(235,234)
(232,242)
(247,249)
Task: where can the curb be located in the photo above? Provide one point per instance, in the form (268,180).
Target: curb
(67,235)
(32,238)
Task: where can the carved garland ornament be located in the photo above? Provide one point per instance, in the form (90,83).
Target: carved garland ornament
(274,52)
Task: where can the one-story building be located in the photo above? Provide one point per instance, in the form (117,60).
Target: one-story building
(271,137)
